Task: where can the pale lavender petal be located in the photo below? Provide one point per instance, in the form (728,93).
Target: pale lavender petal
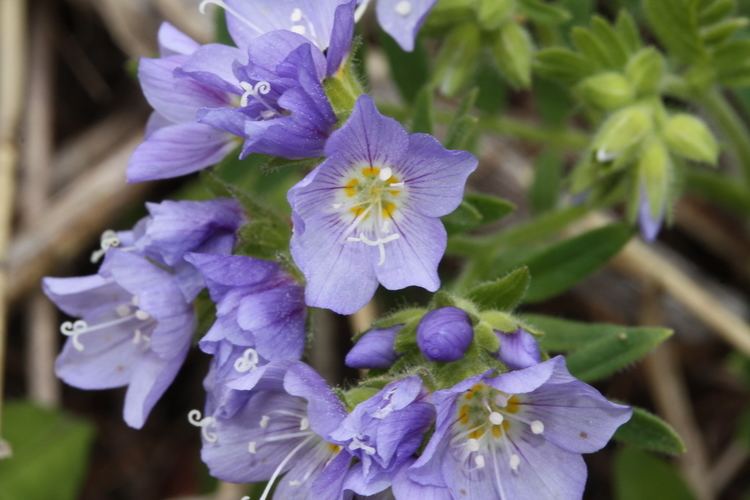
(419,249)
(324,409)
(172,41)
(518,349)
(178,150)
(374,349)
(230,120)
(82,296)
(650,225)
(341,36)
(528,379)
(269,51)
(435,176)
(402,19)
(212,65)
(404,487)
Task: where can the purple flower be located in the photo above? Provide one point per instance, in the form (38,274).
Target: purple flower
(518,349)
(175,143)
(328,24)
(519,435)
(402,19)
(374,349)
(281,430)
(445,334)
(134,330)
(650,225)
(370,213)
(383,432)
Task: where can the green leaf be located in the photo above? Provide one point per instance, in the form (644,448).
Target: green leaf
(720,189)
(513,50)
(593,48)
(564,264)
(502,294)
(641,476)
(627,30)
(596,350)
(463,126)
(490,207)
(464,218)
(410,70)
(563,65)
(543,12)
(458,59)
(545,190)
(648,432)
(423,118)
(50,454)
(675,23)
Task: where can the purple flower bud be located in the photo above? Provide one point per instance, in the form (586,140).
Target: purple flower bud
(374,349)
(444,334)
(518,349)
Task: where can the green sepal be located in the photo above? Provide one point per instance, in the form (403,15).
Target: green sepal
(623,130)
(542,12)
(485,337)
(502,294)
(690,138)
(499,320)
(493,13)
(607,91)
(343,89)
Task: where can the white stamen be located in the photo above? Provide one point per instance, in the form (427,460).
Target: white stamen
(472,444)
(479,461)
(403,8)
(380,243)
(220,3)
(247,362)
(496,418)
(252,447)
(357,444)
(267,114)
(139,337)
(142,315)
(537,427)
(294,483)
(361,9)
(281,467)
(299,29)
(304,423)
(194,417)
(385,174)
(260,88)
(264,421)
(136,301)
(515,461)
(123,310)
(75,329)
(296,15)
(108,239)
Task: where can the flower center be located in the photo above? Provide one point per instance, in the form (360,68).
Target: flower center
(139,320)
(369,200)
(485,417)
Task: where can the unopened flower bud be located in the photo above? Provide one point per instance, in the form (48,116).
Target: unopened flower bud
(518,349)
(690,138)
(623,130)
(374,349)
(645,71)
(607,91)
(444,334)
(514,51)
(655,179)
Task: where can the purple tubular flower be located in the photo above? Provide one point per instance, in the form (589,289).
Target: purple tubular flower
(383,432)
(258,307)
(650,225)
(328,24)
(280,431)
(370,213)
(283,109)
(176,144)
(374,349)
(445,334)
(402,19)
(518,349)
(519,435)
(134,330)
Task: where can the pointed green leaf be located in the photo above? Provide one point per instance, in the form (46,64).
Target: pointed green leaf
(50,453)
(490,207)
(543,12)
(563,65)
(423,118)
(648,432)
(410,71)
(503,294)
(564,264)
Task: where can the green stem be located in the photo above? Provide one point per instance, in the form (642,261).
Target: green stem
(733,127)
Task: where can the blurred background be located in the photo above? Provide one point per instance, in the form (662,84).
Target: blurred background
(71,112)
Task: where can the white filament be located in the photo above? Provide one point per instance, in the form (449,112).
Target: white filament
(220,3)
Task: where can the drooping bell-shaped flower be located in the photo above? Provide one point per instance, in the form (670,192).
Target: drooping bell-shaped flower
(444,334)
(371,212)
(518,435)
(134,329)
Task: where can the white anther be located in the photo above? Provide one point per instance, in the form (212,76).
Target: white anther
(252,447)
(296,15)
(537,427)
(501,401)
(142,315)
(385,174)
(472,444)
(515,461)
(304,423)
(294,483)
(603,156)
(136,301)
(267,114)
(299,29)
(264,421)
(247,362)
(194,417)
(74,329)
(479,461)
(403,8)
(496,418)
(123,310)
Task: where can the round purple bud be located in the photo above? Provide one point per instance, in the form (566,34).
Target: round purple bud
(444,334)
(518,349)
